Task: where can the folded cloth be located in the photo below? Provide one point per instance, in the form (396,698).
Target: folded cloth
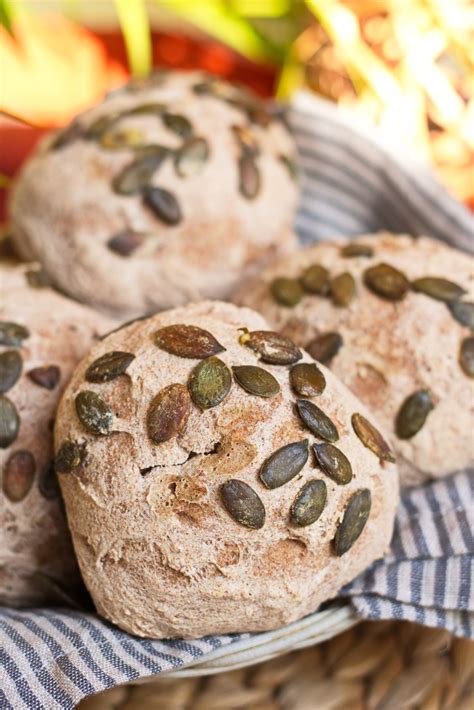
(352,183)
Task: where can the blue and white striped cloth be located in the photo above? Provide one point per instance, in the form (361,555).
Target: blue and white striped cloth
(353,183)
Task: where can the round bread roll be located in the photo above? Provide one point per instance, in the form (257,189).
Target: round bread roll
(42,337)
(392,316)
(168,191)
(204,493)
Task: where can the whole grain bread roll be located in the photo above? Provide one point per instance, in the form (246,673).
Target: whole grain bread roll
(170,190)
(42,337)
(212,476)
(392,316)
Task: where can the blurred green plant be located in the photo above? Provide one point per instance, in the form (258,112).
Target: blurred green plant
(6,15)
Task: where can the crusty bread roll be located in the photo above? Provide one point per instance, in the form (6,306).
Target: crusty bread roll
(42,337)
(168,191)
(204,492)
(400,340)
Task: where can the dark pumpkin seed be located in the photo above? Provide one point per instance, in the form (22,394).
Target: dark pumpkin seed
(192,157)
(272,347)
(315,279)
(70,455)
(47,376)
(333,462)
(466,356)
(438,288)
(316,420)
(256,380)
(126,242)
(136,176)
(355,249)
(247,140)
(9,422)
(37,278)
(67,136)
(163,203)
(187,341)
(287,292)
(177,124)
(152,108)
(10,369)
(249,177)
(290,165)
(309,503)
(13,334)
(342,289)
(48,482)
(284,464)
(101,125)
(18,475)
(413,413)
(324,347)
(463,312)
(122,138)
(371,438)
(307,379)
(108,366)
(387,282)
(210,382)
(93,413)
(243,504)
(168,413)
(355,518)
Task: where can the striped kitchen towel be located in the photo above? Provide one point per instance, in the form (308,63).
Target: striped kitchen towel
(352,183)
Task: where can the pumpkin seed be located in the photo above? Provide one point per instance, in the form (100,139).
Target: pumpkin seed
(287,292)
(142,109)
(108,366)
(18,475)
(256,380)
(463,312)
(68,135)
(247,140)
(316,420)
(284,464)
(70,456)
(13,334)
(177,124)
(93,413)
(135,176)
(353,522)
(249,177)
(355,249)
(101,125)
(37,278)
(9,422)
(342,289)
(163,203)
(47,376)
(334,463)
(315,279)
(210,382)
(10,369)
(466,356)
(168,413)
(243,504)
(371,438)
(48,482)
(387,282)
(126,242)
(290,165)
(272,347)
(307,379)
(187,341)
(438,288)
(324,347)
(191,158)
(413,413)
(121,138)
(309,503)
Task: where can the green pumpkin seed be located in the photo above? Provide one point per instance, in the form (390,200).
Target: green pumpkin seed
(11,364)
(355,249)
(355,518)
(463,312)
(387,282)
(284,464)
(152,108)
(93,413)
(18,475)
(177,124)
(315,279)
(256,380)
(47,377)
(333,462)
(13,334)
(249,177)
(309,503)
(287,292)
(209,383)
(247,140)
(109,366)
(48,484)
(243,504)
(67,136)
(371,438)
(307,379)
(316,420)
(272,347)
(70,455)
(466,356)
(101,125)
(324,347)
(187,341)
(163,203)
(121,138)
(136,176)
(438,288)
(126,242)
(413,413)
(290,165)
(168,413)
(9,422)
(37,278)
(342,289)
(192,157)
